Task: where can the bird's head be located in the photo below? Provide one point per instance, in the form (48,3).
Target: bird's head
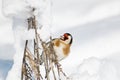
(67,38)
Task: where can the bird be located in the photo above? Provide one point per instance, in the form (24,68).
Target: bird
(61,46)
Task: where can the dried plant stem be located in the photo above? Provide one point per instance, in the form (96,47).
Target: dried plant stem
(24,71)
(32,61)
(54,73)
(45,60)
(36,49)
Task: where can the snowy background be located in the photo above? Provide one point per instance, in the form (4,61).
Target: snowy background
(95,26)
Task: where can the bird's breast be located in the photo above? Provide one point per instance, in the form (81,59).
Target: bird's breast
(61,51)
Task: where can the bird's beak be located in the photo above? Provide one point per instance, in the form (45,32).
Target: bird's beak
(62,37)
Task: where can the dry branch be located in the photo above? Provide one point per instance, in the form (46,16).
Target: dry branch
(32,62)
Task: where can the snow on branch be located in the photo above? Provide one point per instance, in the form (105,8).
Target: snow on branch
(43,55)
(37,60)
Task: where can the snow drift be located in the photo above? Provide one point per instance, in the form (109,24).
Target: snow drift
(97,69)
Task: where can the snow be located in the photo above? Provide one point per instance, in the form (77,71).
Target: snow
(94,25)
(18,11)
(12,8)
(45,33)
(95,60)
(96,69)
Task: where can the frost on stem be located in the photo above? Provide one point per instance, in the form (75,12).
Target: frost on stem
(43,55)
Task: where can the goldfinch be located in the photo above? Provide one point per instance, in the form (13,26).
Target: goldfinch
(61,47)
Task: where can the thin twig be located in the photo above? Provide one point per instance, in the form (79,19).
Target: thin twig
(23,63)
(54,74)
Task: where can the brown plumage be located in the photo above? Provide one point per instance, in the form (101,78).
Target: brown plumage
(66,48)
(62,46)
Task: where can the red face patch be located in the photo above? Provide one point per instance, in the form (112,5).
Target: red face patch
(65,36)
